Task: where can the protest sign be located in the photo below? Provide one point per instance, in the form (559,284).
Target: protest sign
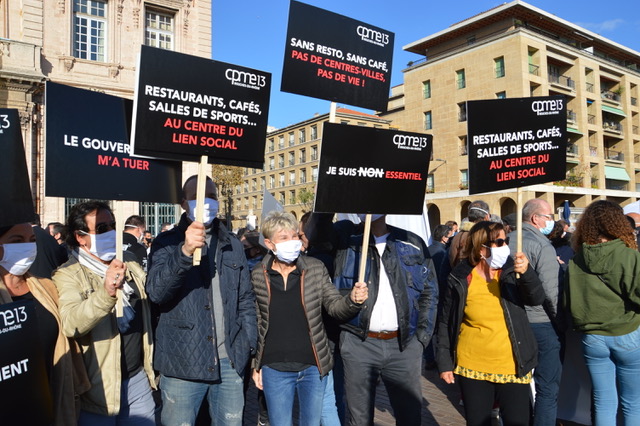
(88,151)
(333,57)
(24,386)
(516,142)
(15,191)
(187,107)
(369,170)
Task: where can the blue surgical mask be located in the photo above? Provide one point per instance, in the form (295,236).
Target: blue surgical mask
(548,228)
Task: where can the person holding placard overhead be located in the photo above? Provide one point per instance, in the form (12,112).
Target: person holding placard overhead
(207,328)
(387,338)
(63,362)
(484,337)
(293,354)
(104,307)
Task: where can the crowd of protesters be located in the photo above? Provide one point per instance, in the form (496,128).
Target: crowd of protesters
(155,339)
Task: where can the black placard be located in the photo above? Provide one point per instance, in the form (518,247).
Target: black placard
(187,107)
(26,398)
(333,57)
(15,191)
(516,142)
(369,170)
(88,151)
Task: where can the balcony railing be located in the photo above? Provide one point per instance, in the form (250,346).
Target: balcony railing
(562,80)
(612,126)
(610,154)
(589,87)
(463,149)
(534,69)
(571,116)
(608,95)
(572,149)
(591,119)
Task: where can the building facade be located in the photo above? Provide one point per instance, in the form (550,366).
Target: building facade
(517,50)
(92,45)
(290,169)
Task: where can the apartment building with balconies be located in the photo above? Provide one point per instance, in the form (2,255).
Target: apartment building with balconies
(517,50)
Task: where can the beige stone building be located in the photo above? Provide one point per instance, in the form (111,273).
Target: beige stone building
(93,45)
(291,166)
(517,50)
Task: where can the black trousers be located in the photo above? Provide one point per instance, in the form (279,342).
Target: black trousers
(479,397)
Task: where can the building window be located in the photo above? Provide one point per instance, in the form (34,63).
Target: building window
(292,158)
(461,82)
(272,163)
(90,30)
(281,179)
(281,160)
(292,196)
(314,132)
(462,111)
(314,173)
(292,139)
(302,136)
(254,203)
(428,123)
(464,179)
(292,177)
(272,144)
(314,153)
(499,66)
(426,89)
(463,145)
(303,156)
(501,95)
(272,181)
(254,184)
(344,121)
(158,30)
(280,141)
(303,175)
(263,182)
(246,186)
(430,183)
(282,198)
(155,214)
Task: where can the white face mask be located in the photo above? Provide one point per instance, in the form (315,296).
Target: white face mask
(210,210)
(499,256)
(374,217)
(288,251)
(139,238)
(18,257)
(103,245)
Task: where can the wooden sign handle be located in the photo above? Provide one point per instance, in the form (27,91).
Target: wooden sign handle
(202,180)
(518,222)
(365,248)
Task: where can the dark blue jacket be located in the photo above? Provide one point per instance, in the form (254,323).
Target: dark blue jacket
(411,275)
(186,346)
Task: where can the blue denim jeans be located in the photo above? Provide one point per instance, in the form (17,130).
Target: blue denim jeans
(547,374)
(611,360)
(280,388)
(329,407)
(137,407)
(181,399)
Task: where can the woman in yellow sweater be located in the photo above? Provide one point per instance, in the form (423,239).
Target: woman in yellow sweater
(484,338)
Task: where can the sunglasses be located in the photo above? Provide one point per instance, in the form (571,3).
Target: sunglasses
(499,242)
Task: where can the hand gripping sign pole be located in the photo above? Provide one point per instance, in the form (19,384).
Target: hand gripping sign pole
(365,248)
(202,180)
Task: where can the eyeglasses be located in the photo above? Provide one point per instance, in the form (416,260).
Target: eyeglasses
(499,242)
(548,216)
(102,227)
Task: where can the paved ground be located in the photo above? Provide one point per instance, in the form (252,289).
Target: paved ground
(439,404)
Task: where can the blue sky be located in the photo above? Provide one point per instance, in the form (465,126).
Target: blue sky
(252,33)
